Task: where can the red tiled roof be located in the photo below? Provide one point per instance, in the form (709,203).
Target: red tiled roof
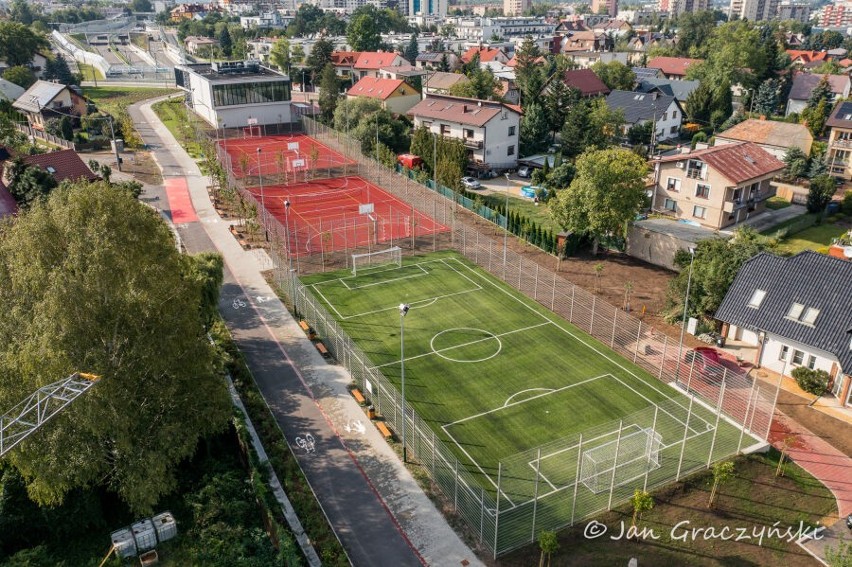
(585,81)
(807,56)
(461,110)
(344,57)
(513,62)
(736,162)
(375,59)
(66,164)
(381,89)
(486,54)
(672,65)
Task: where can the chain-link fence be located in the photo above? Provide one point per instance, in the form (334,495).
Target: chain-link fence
(715,410)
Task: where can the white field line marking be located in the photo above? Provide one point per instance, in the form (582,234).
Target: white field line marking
(509,399)
(661,409)
(476,464)
(383,282)
(324,298)
(488,338)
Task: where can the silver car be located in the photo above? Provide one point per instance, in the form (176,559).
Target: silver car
(470,183)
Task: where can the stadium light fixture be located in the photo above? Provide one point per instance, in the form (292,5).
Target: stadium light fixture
(403,311)
(685,307)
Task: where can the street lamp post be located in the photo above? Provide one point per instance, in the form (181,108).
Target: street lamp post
(287,232)
(262,200)
(403,310)
(506,226)
(685,307)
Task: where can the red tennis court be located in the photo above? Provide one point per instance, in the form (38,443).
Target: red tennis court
(280,154)
(330,215)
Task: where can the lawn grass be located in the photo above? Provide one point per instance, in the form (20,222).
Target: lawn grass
(89,72)
(110,95)
(793,225)
(495,374)
(174,115)
(537,214)
(817,237)
(777,203)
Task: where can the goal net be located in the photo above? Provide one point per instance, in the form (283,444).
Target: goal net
(343,193)
(629,457)
(390,256)
(251,132)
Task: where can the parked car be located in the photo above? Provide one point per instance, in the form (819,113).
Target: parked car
(707,360)
(470,183)
(524,171)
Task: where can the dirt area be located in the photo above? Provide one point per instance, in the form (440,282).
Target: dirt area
(834,431)
(137,163)
(753,499)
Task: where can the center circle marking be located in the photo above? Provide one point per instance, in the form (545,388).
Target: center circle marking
(484,332)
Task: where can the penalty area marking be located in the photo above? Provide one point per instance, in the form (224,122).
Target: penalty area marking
(509,399)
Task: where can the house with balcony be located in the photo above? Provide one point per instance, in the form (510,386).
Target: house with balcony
(45,100)
(490,130)
(840,141)
(716,187)
(663,111)
(370,63)
(395,95)
(797,311)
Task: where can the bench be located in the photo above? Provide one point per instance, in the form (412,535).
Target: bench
(359,397)
(321,348)
(383,429)
(304,325)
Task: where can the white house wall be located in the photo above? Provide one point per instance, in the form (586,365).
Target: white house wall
(772,350)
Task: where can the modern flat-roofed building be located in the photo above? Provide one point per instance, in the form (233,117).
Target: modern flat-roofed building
(236,94)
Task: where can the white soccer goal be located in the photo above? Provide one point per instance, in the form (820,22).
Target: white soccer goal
(637,453)
(390,256)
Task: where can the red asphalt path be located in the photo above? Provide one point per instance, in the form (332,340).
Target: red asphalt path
(179,202)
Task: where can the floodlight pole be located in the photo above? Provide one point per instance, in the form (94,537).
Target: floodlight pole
(262,200)
(287,232)
(685,306)
(403,310)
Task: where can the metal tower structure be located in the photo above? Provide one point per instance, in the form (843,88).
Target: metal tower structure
(25,418)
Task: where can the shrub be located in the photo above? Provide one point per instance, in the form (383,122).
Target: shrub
(811,381)
(846,205)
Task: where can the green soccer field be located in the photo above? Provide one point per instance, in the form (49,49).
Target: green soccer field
(495,374)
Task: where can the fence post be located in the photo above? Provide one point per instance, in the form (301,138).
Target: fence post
(716,429)
(553,294)
(754,406)
(571,313)
(434,458)
(577,477)
(654,431)
(481,513)
(535,287)
(535,493)
(497,509)
(592,318)
(745,417)
(615,464)
(638,340)
(685,432)
(456,487)
(614,322)
(774,404)
(663,360)
(692,368)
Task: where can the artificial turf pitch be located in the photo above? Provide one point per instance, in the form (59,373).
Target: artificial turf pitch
(494,373)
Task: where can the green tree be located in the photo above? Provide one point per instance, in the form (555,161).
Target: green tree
(606,193)
(529,74)
(66,128)
(766,99)
(694,31)
(18,43)
(141,6)
(561,176)
(796,163)
(815,118)
(616,75)
(20,75)
(99,286)
(699,104)
(329,92)
(716,263)
(817,166)
(297,53)
(482,84)
(558,99)
(821,92)
(21,12)
(411,50)
(320,56)
(811,381)
(279,55)
(57,69)
(641,502)
(363,34)
(733,53)
(820,193)
(534,129)
(29,183)
(639,134)
(226,44)
(548,544)
(723,104)
(723,472)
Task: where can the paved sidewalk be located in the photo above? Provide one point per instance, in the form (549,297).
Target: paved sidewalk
(375,506)
(770,218)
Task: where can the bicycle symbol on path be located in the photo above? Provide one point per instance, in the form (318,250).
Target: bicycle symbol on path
(307,443)
(355,426)
(238,303)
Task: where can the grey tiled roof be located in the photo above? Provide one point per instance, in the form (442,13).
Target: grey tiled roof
(679,89)
(808,278)
(638,107)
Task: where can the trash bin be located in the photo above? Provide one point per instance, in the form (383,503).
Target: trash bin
(371,412)
(720,341)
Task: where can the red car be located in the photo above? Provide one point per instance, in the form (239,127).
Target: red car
(707,359)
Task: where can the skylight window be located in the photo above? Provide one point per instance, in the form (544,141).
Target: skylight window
(756,298)
(795,311)
(810,316)
(802,314)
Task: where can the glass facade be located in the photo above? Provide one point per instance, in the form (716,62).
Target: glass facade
(251,93)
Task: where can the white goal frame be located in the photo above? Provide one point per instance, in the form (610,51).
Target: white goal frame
(392,255)
(621,460)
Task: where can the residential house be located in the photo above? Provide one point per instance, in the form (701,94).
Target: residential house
(664,111)
(585,59)
(800,57)
(678,89)
(673,67)
(369,63)
(10,91)
(404,72)
(840,141)
(486,55)
(434,60)
(440,83)
(774,137)
(394,95)
(585,41)
(183,12)
(46,100)
(646,73)
(344,64)
(566,27)
(63,165)
(490,130)
(797,311)
(613,28)
(641,44)
(716,187)
(195,45)
(805,83)
(582,80)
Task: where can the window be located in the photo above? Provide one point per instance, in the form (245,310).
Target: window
(510,151)
(702,190)
(737,196)
(699,212)
(810,316)
(673,130)
(252,93)
(795,311)
(785,350)
(445,130)
(665,116)
(673,184)
(468,133)
(511,130)
(802,314)
(756,298)
(670,205)
(674,114)
(811,361)
(798,357)
(427,123)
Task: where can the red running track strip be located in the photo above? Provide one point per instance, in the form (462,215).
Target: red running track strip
(179,202)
